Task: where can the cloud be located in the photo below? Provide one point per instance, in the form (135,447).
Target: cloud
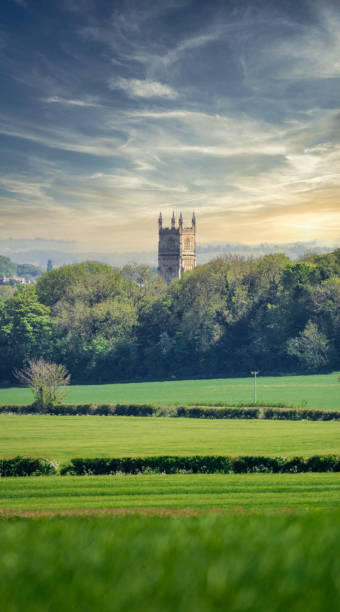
(137,88)
(131,181)
(315,52)
(292,59)
(58,100)
(65,139)
(25,188)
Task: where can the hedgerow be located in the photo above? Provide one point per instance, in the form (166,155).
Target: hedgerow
(26,466)
(196,464)
(186,411)
(207,412)
(299,414)
(84,409)
(201,465)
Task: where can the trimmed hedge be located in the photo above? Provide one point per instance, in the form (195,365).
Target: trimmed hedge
(207,412)
(198,464)
(201,465)
(84,409)
(26,466)
(299,414)
(194,412)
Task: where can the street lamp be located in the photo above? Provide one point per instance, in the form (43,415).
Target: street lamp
(254,373)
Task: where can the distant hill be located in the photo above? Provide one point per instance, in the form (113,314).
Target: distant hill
(39,250)
(10,269)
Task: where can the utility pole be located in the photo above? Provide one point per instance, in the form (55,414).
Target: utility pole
(254,373)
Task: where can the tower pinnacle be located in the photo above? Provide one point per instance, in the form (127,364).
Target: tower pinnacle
(176,248)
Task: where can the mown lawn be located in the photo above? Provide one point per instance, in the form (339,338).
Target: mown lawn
(64,437)
(211,563)
(260,492)
(319,391)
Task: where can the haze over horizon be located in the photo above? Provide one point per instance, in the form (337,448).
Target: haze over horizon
(113,111)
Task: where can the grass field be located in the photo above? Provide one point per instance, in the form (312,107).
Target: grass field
(64,437)
(319,391)
(238,562)
(260,492)
(206,564)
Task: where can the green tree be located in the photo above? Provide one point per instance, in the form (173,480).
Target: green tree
(25,328)
(310,348)
(29,271)
(60,282)
(7,267)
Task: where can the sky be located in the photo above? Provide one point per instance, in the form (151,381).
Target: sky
(112,111)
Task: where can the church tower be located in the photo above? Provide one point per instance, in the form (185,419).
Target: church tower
(176,248)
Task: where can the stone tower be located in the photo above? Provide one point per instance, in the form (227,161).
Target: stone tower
(176,248)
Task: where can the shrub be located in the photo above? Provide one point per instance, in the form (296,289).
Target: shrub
(327,463)
(26,466)
(134,410)
(257,464)
(207,412)
(294,465)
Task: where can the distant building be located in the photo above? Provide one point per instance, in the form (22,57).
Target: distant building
(20,280)
(49,266)
(176,248)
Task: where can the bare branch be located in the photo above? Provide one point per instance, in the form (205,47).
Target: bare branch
(46,380)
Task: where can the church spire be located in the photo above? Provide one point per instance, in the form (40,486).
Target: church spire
(194,221)
(173,220)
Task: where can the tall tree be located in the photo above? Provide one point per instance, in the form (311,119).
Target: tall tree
(25,328)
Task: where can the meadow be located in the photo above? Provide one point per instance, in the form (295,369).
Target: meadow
(250,492)
(314,391)
(239,563)
(63,437)
(212,542)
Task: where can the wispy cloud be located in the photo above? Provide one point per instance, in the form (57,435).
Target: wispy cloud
(131,181)
(143,88)
(315,52)
(58,100)
(25,188)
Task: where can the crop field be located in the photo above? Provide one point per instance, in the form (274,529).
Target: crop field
(63,437)
(318,391)
(260,492)
(129,563)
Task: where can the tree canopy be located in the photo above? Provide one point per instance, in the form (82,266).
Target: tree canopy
(224,318)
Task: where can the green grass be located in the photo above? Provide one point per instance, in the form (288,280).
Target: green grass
(262,492)
(64,437)
(319,391)
(166,564)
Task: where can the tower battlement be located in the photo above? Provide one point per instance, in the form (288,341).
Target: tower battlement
(176,248)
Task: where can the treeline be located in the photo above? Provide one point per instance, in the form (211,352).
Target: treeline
(221,319)
(9,269)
